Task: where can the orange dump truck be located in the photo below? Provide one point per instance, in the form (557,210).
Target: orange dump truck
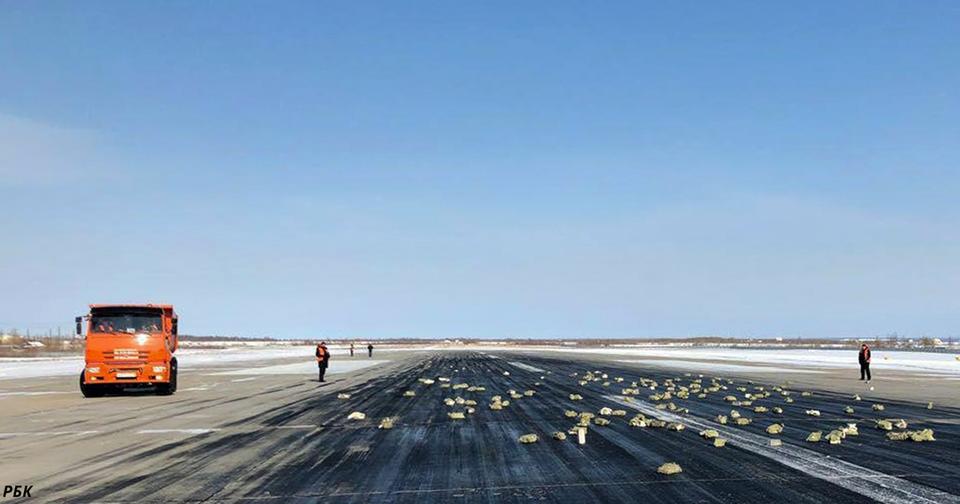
(128,346)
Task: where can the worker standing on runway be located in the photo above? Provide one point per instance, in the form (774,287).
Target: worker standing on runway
(370,350)
(323,359)
(351,349)
(865,362)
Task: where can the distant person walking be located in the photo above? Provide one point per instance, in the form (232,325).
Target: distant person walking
(370,350)
(323,359)
(351,349)
(865,362)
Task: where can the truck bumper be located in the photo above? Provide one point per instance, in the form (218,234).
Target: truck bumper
(127,373)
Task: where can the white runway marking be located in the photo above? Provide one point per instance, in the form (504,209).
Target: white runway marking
(302,426)
(202,386)
(243,379)
(526,367)
(867,482)
(192,432)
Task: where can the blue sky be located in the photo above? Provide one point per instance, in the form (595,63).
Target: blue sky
(484,169)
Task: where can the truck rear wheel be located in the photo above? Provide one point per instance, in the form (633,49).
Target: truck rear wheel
(90,390)
(170,387)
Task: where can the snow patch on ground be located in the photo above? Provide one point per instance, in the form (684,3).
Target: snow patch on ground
(190,432)
(526,367)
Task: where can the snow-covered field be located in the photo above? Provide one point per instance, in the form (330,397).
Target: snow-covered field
(765,359)
(779,359)
(27,367)
(729,359)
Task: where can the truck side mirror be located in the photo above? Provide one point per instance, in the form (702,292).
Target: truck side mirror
(173,327)
(79,321)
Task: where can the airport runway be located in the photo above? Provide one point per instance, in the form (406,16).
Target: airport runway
(239,435)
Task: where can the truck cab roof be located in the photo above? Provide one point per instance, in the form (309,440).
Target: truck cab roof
(128,305)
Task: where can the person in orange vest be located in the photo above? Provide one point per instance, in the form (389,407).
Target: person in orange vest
(323,359)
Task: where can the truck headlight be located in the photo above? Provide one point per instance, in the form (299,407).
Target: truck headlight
(93,369)
(159,369)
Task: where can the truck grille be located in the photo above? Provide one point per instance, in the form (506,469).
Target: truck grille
(125,355)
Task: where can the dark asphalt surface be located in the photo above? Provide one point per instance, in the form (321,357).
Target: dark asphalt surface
(288,440)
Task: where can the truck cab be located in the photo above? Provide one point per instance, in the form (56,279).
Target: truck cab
(129,345)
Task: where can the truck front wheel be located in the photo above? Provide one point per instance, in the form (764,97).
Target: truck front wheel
(170,387)
(90,390)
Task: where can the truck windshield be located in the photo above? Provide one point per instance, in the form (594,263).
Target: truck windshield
(126,321)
